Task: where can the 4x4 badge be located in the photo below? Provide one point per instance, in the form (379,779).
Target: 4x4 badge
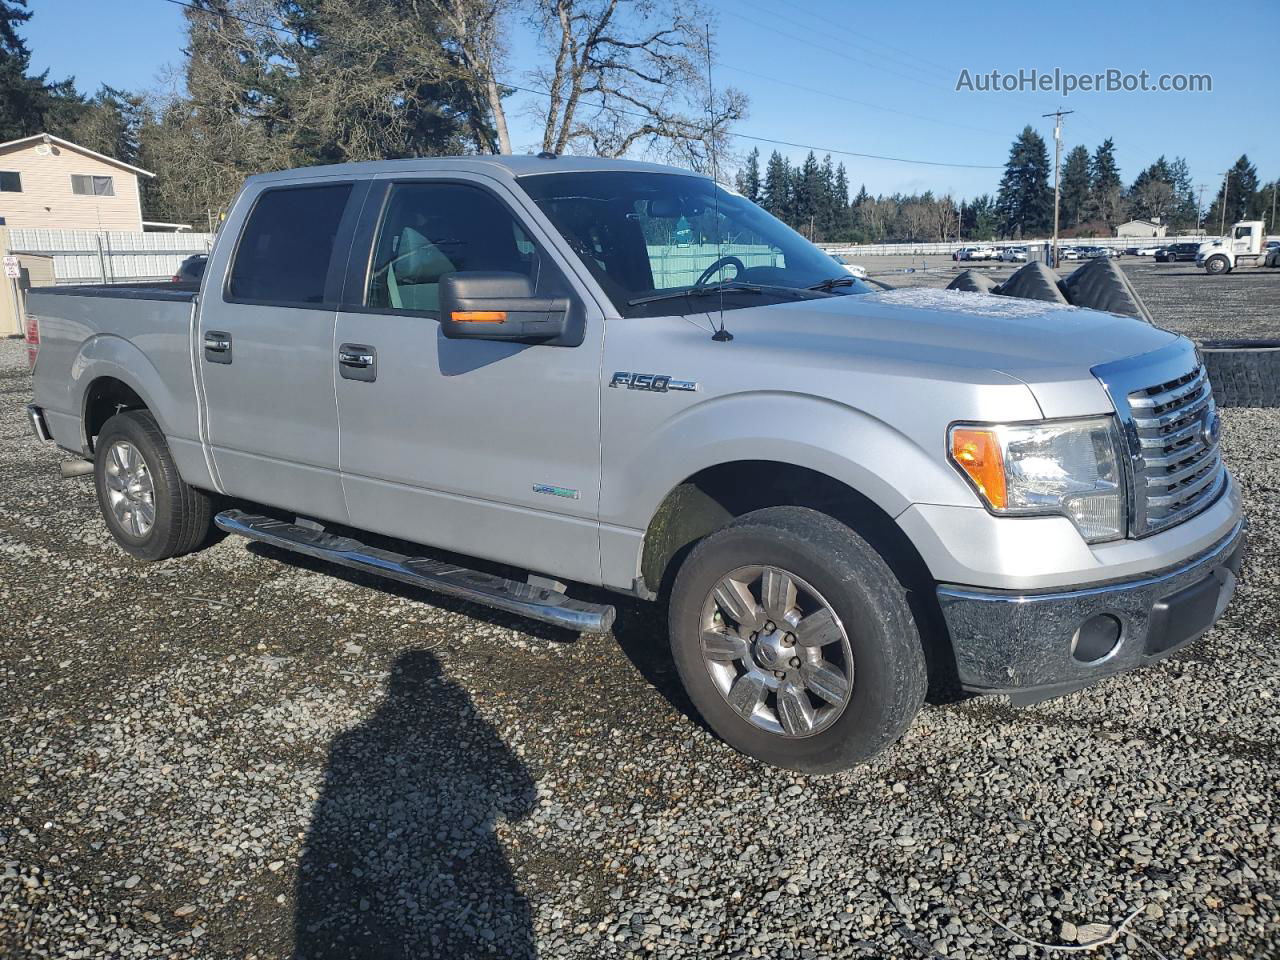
(653,382)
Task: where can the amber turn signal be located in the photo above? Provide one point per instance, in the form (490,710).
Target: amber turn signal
(977,452)
(479,316)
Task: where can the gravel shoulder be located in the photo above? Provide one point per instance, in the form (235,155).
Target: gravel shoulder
(238,754)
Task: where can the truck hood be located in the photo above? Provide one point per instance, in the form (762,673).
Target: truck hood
(955,335)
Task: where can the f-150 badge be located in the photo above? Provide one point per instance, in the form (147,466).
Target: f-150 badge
(652,382)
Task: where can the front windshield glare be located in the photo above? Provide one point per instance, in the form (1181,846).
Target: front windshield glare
(643,235)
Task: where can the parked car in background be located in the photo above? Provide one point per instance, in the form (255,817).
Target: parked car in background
(1144,251)
(985,252)
(1013,255)
(853,268)
(191,270)
(962,253)
(1069,253)
(1177,251)
(822,482)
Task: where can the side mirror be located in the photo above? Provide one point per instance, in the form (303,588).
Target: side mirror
(484,305)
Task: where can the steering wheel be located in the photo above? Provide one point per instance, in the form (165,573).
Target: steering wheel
(719,265)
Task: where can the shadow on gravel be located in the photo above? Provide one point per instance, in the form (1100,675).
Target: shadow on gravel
(402,859)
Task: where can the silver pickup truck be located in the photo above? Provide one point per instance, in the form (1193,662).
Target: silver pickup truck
(616,374)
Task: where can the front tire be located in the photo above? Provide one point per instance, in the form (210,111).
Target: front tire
(148,508)
(794,639)
(1217,265)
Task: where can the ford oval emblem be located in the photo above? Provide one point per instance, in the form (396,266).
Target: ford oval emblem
(1211,428)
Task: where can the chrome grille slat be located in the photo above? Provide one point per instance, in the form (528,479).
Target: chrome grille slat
(1176,466)
(1168,396)
(1184,494)
(1178,456)
(1174,415)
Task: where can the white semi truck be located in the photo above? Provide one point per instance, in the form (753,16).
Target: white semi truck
(1245,243)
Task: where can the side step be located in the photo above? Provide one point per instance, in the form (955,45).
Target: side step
(522,599)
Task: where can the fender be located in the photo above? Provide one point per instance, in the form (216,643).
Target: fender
(881,462)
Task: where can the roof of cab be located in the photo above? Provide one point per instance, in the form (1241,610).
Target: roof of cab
(511,166)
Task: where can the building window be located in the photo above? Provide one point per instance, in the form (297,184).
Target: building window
(93,186)
(10,181)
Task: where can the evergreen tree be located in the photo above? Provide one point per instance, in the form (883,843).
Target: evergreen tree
(776,195)
(1074,187)
(827,214)
(807,196)
(1185,214)
(1025,201)
(1242,200)
(1104,184)
(748,181)
(28,104)
(840,204)
(978,218)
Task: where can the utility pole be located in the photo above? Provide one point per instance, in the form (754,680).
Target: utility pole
(1200,208)
(1271,227)
(1057,154)
(1226,185)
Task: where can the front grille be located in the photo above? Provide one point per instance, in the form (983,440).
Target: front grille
(1177,464)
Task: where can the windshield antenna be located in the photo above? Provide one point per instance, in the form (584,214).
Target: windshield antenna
(721,335)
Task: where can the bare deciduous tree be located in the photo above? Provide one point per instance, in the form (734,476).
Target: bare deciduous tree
(627,74)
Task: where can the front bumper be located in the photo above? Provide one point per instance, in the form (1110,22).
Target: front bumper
(1021,644)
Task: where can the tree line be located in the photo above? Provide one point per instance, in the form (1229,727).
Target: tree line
(813,197)
(274,84)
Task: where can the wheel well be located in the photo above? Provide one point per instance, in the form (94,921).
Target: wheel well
(106,397)
(712,497)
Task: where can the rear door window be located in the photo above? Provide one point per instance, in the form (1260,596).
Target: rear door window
(288,242)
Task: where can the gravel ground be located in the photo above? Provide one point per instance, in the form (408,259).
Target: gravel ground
(237,754)
(1242,304)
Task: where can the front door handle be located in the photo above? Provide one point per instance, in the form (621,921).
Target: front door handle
(217,346)
(358,361)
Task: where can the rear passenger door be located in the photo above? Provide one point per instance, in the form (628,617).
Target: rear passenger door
(484,447)
(265,346)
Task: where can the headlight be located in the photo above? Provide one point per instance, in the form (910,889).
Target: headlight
(1067,467)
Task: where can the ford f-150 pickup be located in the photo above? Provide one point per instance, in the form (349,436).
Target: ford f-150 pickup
(608,373)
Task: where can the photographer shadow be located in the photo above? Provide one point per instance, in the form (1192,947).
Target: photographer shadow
(402,859)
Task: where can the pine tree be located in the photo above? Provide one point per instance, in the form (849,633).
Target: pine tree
(1074,187)
(1025,201)
(807,196)
(776,194)
(1242,200)
(748,182)
(840,204)
(827,214)
(22,98)
(1104,184)
(1185,215)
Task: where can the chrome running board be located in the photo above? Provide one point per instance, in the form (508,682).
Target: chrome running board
(511,596)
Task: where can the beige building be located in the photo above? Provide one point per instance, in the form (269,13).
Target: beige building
(1142,228)
(51,183)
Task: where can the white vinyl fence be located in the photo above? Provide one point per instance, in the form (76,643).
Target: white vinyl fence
(946,249)
(90,256)
(679,265)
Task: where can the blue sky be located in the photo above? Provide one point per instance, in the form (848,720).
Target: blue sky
(874,78)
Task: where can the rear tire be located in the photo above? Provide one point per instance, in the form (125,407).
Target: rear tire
(148,508)
(830,567)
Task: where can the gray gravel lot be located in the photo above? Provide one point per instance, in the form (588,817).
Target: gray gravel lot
(1242,304)
(237,754)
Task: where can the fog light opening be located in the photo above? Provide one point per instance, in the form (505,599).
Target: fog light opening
(1097,638)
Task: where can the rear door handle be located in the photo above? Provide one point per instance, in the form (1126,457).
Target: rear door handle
(358,361)
(217,346)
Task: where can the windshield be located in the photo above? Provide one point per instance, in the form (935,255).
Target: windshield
(645,236)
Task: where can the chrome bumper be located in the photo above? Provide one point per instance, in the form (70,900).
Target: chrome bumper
(1024,645)
(38,426)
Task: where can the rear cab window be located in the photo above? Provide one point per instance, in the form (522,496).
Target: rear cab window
(285,250)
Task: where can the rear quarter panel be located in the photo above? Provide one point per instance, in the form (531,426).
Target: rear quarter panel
(140,337)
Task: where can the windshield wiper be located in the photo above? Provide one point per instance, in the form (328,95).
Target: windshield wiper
(848,280)
(728,286)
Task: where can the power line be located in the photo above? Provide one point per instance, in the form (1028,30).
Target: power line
(861,103)
(620,111)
